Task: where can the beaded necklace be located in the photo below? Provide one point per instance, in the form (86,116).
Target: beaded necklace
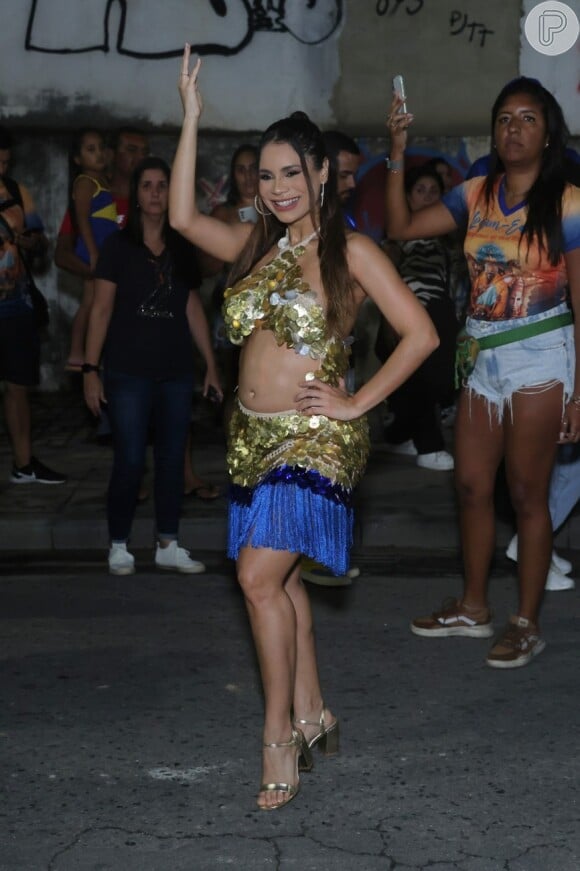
(284,242)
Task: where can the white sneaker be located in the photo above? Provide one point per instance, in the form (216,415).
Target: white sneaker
(439,461)
(562,565)
(176,559)
(558,580)
(407,448)
(121,562)
(559,564)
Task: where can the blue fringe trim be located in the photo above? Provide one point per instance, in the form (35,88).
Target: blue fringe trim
(285,512)
(305,478)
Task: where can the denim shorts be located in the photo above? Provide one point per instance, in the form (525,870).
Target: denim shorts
(544,359)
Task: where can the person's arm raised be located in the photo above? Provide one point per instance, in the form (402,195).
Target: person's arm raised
(400,222)
(224,241)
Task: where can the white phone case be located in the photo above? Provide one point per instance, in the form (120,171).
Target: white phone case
(399,90)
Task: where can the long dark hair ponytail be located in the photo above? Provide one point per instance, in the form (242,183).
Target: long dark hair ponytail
(305,138)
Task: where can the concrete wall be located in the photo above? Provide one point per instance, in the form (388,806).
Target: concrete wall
(64,63)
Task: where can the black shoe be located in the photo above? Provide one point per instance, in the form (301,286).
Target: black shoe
(36,473)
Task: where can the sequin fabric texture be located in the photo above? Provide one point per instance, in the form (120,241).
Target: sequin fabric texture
(292,475)
(277,298)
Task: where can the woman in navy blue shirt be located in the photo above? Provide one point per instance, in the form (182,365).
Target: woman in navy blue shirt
(145,313)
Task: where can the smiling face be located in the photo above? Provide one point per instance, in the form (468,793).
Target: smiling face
(519,132)
(282,183)
(153,192)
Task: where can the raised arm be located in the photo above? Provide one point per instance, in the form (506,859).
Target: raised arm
(400,222)
(224,241)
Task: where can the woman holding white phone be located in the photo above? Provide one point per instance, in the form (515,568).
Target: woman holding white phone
(516,362)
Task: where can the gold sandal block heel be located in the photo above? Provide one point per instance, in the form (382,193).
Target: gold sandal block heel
(303,763)
(329,742)
(328,738)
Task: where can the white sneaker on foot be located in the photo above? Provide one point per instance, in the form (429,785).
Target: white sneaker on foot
(559,564)
(121,562)
(562,565)
(558,580)
(176,559)
(407,448)
(439,461)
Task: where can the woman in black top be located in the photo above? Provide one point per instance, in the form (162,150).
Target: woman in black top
(143,318)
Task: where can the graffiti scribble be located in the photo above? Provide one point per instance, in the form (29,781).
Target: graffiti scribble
(228,27)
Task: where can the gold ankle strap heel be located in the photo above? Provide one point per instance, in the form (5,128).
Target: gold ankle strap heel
(303,763)
(327,738)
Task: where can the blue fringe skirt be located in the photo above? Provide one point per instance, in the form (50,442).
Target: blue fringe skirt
(292,483)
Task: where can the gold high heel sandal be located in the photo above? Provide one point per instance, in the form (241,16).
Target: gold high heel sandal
(303,763)
(328,738)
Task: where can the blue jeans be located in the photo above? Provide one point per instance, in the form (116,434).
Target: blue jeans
(135,403)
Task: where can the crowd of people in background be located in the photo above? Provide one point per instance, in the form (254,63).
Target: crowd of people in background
(473,321)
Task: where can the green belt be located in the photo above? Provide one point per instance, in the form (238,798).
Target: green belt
(468,347)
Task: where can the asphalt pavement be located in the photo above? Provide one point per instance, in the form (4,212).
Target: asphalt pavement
(131,715)
(130,708)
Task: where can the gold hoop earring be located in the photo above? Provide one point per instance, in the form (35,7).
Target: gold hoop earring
(257,203)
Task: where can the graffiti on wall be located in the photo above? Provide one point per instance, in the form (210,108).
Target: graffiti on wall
(154,30)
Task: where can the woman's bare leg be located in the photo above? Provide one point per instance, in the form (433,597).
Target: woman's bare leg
(307,698)
(531,443)
(263,574)
(478,452)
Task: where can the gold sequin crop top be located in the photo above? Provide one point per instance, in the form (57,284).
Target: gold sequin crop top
(277,298)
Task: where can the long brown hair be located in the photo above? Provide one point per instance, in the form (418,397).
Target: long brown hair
(305,138)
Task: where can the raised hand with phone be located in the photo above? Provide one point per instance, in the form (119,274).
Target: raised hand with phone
(398,120)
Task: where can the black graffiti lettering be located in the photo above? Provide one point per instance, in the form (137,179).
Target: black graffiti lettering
(391,7)
(273,16)
(219,7)
(459,23)
(485,31)
(456,16)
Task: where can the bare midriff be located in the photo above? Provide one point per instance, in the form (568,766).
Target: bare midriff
(270,374)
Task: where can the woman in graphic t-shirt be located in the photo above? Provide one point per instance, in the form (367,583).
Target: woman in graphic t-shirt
(521,393)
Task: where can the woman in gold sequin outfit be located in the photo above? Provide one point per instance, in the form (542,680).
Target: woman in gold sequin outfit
(298,442)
